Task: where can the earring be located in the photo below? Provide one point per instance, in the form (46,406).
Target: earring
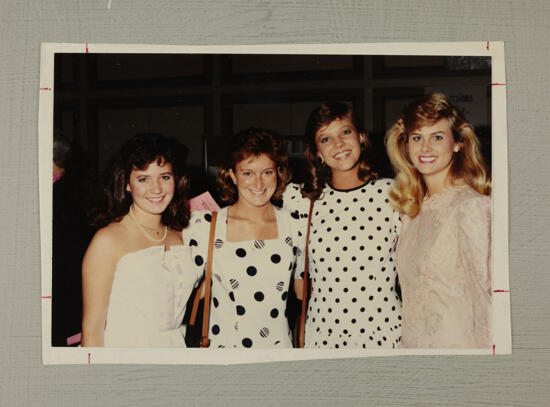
(456,149)
(321,159)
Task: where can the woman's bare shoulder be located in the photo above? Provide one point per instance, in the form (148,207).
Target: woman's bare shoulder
(110,241)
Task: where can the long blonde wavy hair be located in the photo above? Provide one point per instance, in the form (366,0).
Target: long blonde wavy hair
(467,164)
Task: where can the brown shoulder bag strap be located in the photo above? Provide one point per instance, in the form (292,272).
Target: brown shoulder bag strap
(305,284)
(205,285)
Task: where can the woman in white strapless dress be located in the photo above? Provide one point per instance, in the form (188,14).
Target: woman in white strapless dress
(137,273)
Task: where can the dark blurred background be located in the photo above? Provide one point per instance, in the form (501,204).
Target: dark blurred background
(202,99)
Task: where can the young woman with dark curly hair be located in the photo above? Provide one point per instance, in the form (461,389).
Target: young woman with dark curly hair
(353,232)
(255,247)
(137,275)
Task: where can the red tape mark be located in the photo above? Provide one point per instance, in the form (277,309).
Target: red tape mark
(88,358)
(45,88)
(494,346)
(46,296)
(86,48)
(501,291)
(487,46)
(498,84)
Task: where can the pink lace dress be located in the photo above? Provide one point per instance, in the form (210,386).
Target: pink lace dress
(443,263)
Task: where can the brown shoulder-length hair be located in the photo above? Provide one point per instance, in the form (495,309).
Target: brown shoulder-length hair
(254,141)
(467,163)
(319,174)
(112,200)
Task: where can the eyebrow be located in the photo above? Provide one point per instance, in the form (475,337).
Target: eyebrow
(250,169)
(416,132)
(148,175)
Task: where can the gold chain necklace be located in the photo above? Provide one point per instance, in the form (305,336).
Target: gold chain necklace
(140,227)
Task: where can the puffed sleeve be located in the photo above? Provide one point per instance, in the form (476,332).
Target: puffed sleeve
(474,245)
(195,236)
(298,207)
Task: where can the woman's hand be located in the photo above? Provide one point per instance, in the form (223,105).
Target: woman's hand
(298,289)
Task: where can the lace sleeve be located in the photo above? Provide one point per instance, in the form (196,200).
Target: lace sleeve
(474,244)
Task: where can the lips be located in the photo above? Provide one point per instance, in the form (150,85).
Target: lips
(156,200)
(426,159)
(342,155)
(256,192)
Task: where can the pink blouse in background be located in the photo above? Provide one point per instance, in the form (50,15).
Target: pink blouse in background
(443,263)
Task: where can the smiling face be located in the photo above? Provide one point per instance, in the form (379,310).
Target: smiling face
(339,146)
(431,151)
(152,188)
(256,180)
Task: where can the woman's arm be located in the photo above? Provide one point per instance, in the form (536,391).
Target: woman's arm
(98,268)
(474,242)
(298,207)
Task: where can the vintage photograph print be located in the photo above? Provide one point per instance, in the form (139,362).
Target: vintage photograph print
(240,204)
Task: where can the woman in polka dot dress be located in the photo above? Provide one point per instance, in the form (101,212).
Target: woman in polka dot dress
(353,233)
(255,247)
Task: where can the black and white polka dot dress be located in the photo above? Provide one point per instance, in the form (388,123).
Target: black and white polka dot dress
(354,303)
(250,282)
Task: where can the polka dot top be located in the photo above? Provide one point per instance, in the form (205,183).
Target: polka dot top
(250,281)
(353,234)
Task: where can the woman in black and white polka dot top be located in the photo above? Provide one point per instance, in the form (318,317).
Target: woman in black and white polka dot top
(255,246)
(354,230)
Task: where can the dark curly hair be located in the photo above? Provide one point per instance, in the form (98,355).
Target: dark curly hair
(253,142)
(319,174)
(113,201)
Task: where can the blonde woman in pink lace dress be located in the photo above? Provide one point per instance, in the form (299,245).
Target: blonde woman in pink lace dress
(443,253)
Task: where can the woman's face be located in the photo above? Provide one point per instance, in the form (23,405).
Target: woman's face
(339,145)
(152,188)
(431,150)
(256,180)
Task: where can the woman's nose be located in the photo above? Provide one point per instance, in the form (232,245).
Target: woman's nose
(259,182)
(156,186)
(426,146)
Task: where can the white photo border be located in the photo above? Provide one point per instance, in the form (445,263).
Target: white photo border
(502,337)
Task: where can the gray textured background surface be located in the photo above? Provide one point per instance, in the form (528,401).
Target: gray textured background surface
(519,379)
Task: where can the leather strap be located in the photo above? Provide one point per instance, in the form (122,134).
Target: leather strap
(206,286)
(196,301)
(305,284)
(205,342)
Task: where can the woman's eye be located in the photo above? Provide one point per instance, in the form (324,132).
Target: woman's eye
(347,131)
(269,172)
(438,137)
(323,140)
(142,179)
(416,138)
(166,177)
(246,173)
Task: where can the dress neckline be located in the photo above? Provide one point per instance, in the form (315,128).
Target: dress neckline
(160,248)
(222,216)
(444,197)
(350,189)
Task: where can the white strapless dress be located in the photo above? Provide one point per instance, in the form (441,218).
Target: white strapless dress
(148,298)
